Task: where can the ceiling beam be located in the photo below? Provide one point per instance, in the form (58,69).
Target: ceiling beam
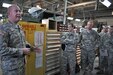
(107,13)
(81,5)
(70,2)
(84,4)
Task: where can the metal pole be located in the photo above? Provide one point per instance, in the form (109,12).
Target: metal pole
(84,14)
(96,5)
(64,21)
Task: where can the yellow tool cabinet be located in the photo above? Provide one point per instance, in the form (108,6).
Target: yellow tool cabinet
(30,29)
(51,52)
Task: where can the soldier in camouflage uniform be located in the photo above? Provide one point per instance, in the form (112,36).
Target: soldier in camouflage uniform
(104,30)
(88,41)
(109,46)
(13,44)
(68,57)
(103,56)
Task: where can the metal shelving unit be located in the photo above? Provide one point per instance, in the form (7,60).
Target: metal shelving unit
(52,53)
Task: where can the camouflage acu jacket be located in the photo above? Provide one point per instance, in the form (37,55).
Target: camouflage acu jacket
(12,40)
(70,39)
(89,40)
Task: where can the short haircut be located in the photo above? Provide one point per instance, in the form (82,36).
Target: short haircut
(91,21)
(9,9)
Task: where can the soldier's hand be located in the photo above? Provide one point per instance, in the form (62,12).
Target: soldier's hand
(26,50)
(38,50)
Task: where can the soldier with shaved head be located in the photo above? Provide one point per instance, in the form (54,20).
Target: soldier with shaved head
(12,44)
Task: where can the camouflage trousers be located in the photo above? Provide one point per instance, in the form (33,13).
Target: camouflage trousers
(68,58)
(13,67)
(103,63)
(87,60)
(110,63)
(14,72)
(9,70)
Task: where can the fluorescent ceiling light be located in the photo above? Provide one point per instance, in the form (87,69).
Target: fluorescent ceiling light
(70,18)
(6,5)
(77,20)
(38,7)
(105,2)
(1,15)
(1,20)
